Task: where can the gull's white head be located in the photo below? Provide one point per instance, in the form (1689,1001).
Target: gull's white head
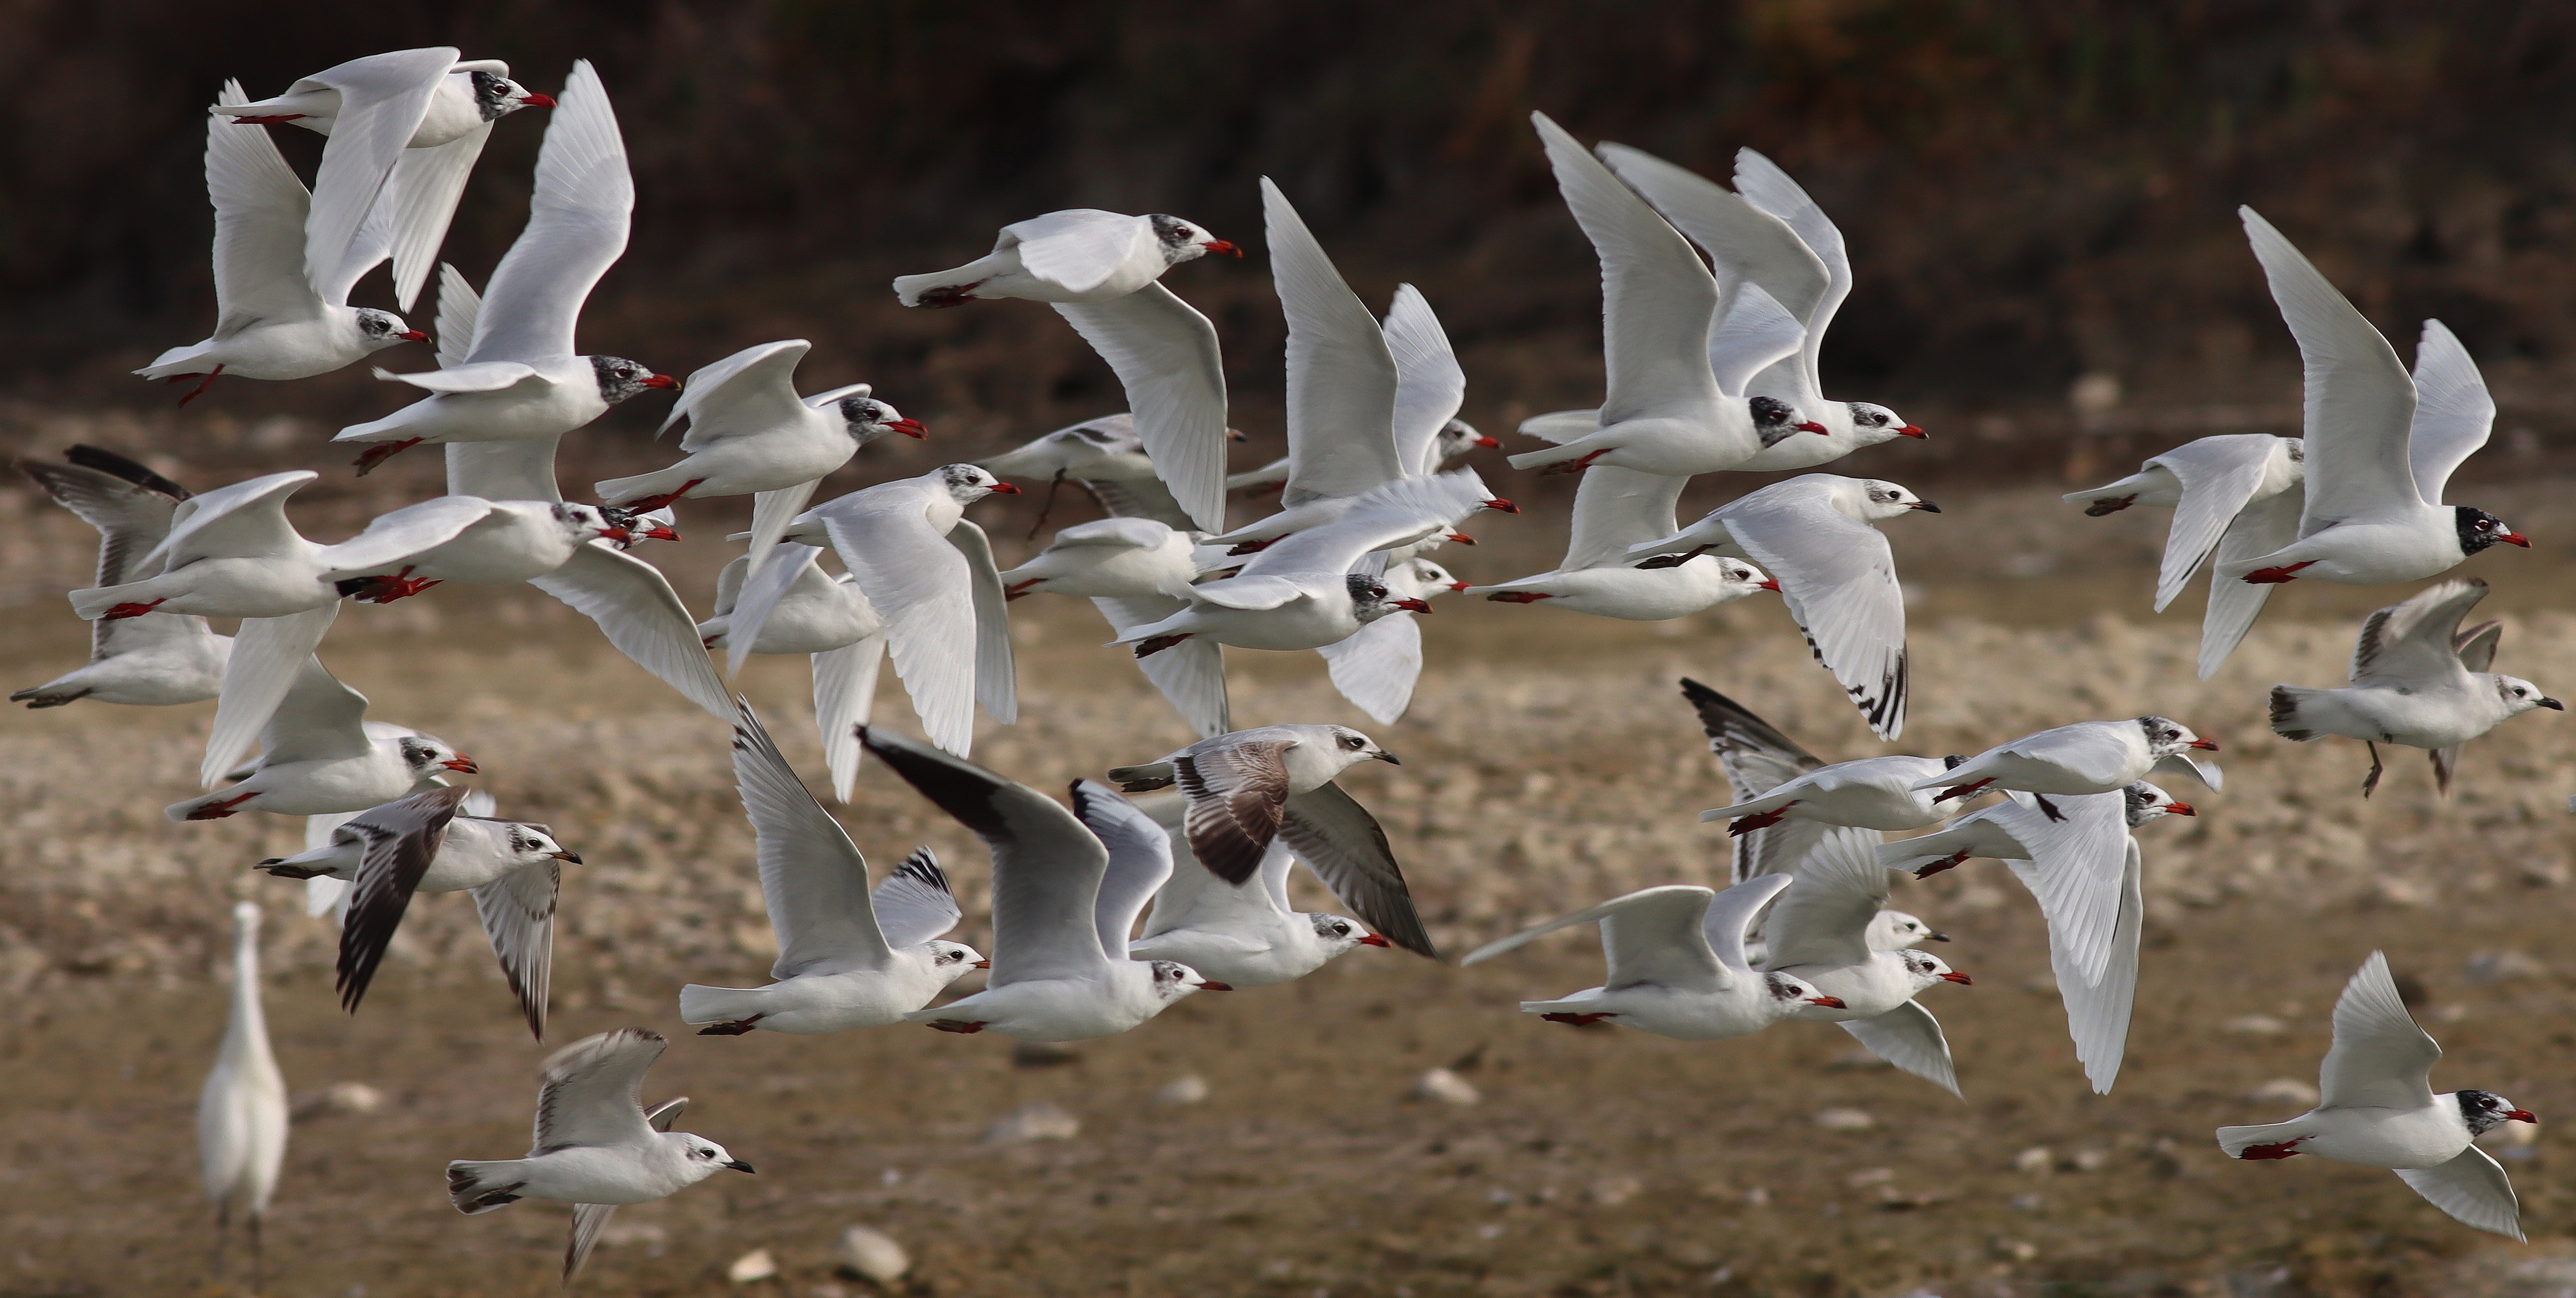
(1894,930)
(1339,934)
(1183,241)
(702,1157)
(382,329)
(1421,579)
(1876,423)
(1928,969)
(952,960)
(2166,737)
(2143,802)
(1789,993)
(2522,696)
(1348,747)
(1880,501)
(967,483)
(1740,578)
(1457,437)
(425,756)
(2484,1111)
(866,419)
(586,523)
(1174,980)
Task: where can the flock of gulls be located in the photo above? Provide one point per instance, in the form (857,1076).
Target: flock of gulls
(1715,303)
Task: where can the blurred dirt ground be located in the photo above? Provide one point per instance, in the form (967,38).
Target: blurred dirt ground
(1549,763)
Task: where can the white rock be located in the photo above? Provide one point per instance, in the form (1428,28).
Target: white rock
(1035,1120)
(1188,1088)
(2035,1160)
(1845,1120)
(873,1255)
(2502,966)
(2283,1090)
(752,1266)
(1446,1087)
(339,1097)
(1611,1191)
(2255,1025)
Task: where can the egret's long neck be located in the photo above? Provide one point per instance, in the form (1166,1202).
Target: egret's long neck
(248,1029)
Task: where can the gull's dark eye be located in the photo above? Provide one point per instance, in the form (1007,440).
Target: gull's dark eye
(1341,930)
(625,374)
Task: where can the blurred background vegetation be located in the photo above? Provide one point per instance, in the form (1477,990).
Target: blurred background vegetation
(2034,190)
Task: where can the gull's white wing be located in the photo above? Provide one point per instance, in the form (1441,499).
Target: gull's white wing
(1650,936)
(1658,301)
(2473,1188)
(788,567)
(1766,186)
(473,376)
(1399,511)
(1165,355)
(1128,533)
(392,537)
(1190,674)
(245,519)
(1347,849)
(2093,751)
(2453,412)
(1615,509)
(997,682)
(2075,866)
(2263,527)
(2097,1015)
(1755,334)
(577,223)
(2411,644)
(1047,867)
(1194,898)
(1824,915)
(1077,248)
(752,391)
(320,719)
(422,196)
(2380,1059)
(1140,860)
(130,505)
(1377,666)
(459,306)
(915,904)
(1838,578)
(504,470)
(1429,384)
(1342,378)
(270,656)
(2360,401)
(593,1092)
(1910,1038)
(634,605)
(812,877)
(1731,916)
(260,208)
(518,914)
(1977,835)
(2219,475)
(923,590)
(383,98)
(845,691)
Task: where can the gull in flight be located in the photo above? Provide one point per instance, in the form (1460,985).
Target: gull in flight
(155,660)
(1241,934)
(2086,757)
(318,754)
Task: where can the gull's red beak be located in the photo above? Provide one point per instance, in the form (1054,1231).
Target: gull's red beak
(2520,1115)
(1771,584)
(1458,586)
(1212,985)
(412,336)
(1005,489)
(1488,443)
(1956,977)
(2516,538)
(2179,809)
(618,534)
(1461,538)
(909,427)
(662,532)
(660,381)
(1911,431)
(463,764)
(1811,426)
(982,964)
(535,100)
(1829,1002)
(1416,605)
(1372,939)
(1502,506)
(1224,247)
(2205,745)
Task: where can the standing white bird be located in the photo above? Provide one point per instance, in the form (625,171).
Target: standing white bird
(273,319)
(2417,680)
(2086,757)
(1615,509)
(847,957)
(241,1113)
(405,129)
(1769,235)
(2088,874)
(1816,535)
(1067,887)
(1663,412)
(154,660)
(751,435)
(319,754)
(1241,934)
(2380,447)
(1677,966)
(420,844)
(794,607)
(2377,1108)
(596,1146)
(522,380)
(928,573)
(1251,787)
(1818,931)
(1100,271)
